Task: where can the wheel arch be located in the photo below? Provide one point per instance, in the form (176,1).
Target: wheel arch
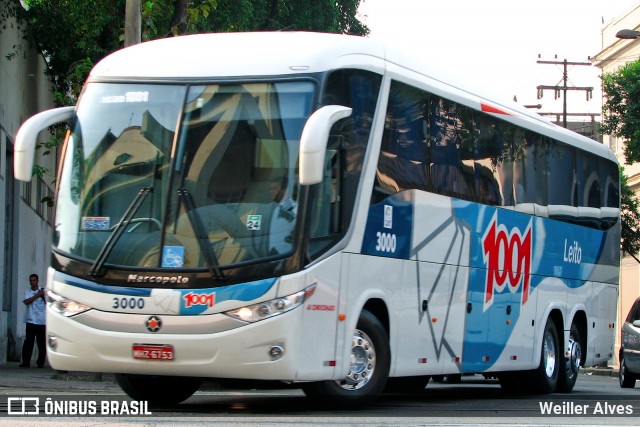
(556,315)
(378,308)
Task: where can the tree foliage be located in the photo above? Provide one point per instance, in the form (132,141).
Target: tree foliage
(630,217)
(621,111)
(74,34)
(622,108)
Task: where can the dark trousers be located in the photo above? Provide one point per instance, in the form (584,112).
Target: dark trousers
(35,333)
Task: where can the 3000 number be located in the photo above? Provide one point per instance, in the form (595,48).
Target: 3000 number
(128,303)
(386,242)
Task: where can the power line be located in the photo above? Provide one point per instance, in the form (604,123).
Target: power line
(564,87)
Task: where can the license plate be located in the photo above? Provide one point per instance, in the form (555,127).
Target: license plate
(152,352)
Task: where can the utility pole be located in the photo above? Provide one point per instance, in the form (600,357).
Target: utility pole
(132,23)
(564,87)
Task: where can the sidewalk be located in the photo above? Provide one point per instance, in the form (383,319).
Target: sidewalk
(35,379)
(608,371)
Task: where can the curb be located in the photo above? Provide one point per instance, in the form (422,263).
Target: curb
(606,372)
(82,376)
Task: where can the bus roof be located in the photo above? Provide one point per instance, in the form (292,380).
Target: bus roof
(237,54)
(231,55)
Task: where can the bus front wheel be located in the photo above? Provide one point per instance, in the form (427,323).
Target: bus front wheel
(158,390)
(368,372)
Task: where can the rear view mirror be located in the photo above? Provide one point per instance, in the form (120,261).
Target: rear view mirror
(313,142)
(27,136)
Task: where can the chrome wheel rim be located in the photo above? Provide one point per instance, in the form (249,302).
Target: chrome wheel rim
(363,362)
(549,355)
(575,354)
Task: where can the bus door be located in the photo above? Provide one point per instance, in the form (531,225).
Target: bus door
(444,311)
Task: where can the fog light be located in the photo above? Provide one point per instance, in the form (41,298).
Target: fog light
(276,352)
(53,342)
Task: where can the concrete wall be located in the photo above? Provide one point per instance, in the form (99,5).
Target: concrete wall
(25,235)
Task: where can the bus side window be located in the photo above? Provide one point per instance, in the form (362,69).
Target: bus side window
(490,149)
(404,157)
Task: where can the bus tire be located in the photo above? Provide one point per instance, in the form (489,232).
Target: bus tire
(453,379)
(511,382)
(407,385)
(570,363)
(369,370)
(545,378)
(158,390)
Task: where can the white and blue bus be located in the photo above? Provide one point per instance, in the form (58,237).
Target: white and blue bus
(323,210)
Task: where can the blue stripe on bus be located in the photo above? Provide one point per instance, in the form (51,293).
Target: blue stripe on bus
(241,292)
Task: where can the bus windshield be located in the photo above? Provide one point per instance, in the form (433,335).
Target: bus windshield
(182,177)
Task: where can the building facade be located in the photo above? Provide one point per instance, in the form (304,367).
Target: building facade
(25,222)
(614,54)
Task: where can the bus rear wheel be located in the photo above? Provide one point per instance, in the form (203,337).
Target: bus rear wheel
(545,378)
(570,363)
(369,370)
(158,390)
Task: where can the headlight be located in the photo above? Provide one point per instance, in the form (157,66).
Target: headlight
(274,307)
(65,306)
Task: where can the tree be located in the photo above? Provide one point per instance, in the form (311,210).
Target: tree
(622,108)
(74,34)
(621,111)
(630,218)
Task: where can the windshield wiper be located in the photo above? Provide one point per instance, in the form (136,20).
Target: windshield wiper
(201,234)
(118,230)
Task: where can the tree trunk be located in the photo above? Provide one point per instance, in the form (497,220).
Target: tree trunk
(180,18)
(132,24)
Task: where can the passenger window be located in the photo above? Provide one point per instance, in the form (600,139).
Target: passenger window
(434,144)
(562,178)
(493,169)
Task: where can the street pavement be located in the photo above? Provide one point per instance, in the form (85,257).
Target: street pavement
(48,379)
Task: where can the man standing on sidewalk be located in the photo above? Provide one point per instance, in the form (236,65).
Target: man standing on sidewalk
(35,320)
